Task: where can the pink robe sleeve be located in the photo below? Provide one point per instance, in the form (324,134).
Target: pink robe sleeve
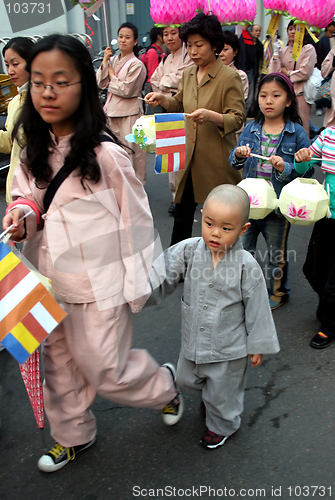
(327,66)
(123,194)
(305,65)
(21,189)
(132,84)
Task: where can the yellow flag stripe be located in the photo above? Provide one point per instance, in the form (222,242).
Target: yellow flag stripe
(7,264)
(170,125)
(25,338)
(165,163)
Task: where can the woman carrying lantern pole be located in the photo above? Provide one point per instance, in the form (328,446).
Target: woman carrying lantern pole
(212,96)
(124,76)
(166,79)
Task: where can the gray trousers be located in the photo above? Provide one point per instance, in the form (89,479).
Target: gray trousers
(221,386)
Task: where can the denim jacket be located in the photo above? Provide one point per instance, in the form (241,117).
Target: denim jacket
(292,138)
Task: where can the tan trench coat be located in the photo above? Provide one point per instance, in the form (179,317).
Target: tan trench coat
(207,145)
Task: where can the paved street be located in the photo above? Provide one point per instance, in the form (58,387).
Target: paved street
(286,441)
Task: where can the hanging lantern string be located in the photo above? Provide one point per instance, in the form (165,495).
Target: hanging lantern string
(89,28)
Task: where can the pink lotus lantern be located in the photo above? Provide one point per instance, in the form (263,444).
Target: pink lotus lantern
(276,5)
(167,12)
(262,196)
(315,13)
(303,201)
(250,10)
(227,11)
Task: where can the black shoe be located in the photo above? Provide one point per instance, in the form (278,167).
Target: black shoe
(320,341)
(59,456)
(211,440)
(172,209)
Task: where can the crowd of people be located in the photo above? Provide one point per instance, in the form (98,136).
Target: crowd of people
(56,125)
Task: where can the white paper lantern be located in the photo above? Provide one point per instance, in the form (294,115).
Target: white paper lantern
(303,201)
(262,196)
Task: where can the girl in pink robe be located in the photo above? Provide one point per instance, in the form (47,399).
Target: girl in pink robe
(96,247)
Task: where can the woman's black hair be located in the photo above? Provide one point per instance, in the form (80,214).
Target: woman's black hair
(19,44)
(307,38)
(208,27)
(88,120)
(134,29)
(290,113)
(232,40)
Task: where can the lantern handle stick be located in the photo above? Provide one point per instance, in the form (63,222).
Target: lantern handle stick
(105,19)
(11,227)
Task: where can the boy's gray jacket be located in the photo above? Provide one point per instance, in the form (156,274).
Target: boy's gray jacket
(225,311)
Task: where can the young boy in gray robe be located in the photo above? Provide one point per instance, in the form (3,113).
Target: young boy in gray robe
(225,311)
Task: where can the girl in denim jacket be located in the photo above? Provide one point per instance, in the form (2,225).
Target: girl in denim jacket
(276,133)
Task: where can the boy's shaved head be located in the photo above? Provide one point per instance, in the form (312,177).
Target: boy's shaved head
(231,195)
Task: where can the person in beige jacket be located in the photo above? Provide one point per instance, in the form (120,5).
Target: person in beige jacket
(96,247)
(166,79)
(124,75)
(212,96)
(298,71)
(15,53)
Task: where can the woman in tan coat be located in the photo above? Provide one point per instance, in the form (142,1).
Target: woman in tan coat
(212,96)
(124,75)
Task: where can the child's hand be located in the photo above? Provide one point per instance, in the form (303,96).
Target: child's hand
(242,152)
(256,359)
(303,154)
(277,162)
(12,218)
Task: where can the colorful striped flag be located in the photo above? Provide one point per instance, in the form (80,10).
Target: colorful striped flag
(268,52)
(170,142)
(28,312)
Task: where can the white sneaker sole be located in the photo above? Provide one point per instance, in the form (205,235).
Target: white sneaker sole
(173,419)
(213,446)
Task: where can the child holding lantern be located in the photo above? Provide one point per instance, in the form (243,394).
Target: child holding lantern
(275,133)
(319,267)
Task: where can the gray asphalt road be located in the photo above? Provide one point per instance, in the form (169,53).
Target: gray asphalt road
(284,449)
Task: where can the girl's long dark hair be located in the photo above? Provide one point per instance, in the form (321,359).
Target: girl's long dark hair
(290,113)
(88,120)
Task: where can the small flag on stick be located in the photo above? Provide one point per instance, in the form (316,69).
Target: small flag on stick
(28,311)
(170,142)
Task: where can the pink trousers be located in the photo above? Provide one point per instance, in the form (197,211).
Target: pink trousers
(89,353)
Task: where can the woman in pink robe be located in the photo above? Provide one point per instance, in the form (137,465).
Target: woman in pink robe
(124,75)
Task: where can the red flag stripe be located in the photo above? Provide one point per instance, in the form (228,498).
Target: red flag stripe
(34,327)
(166,134)
(170,149)
(12,279)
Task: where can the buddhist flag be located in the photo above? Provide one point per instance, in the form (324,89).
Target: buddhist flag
(170,142)
(28,311)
